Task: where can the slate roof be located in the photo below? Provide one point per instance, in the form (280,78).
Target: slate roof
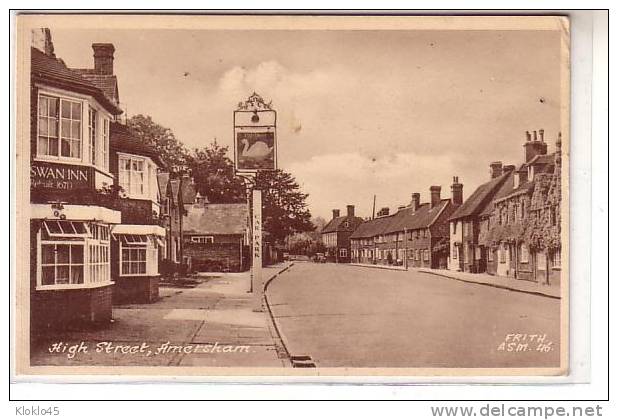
(480,197)
(337,224)
(50,70)
(121,139)
(216,219)
(108,83)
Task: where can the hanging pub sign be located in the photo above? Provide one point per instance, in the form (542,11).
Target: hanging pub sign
(255,136)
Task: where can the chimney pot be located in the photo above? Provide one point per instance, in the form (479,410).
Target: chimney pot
(542,134)
(528,138)
(335,213)
(456,192)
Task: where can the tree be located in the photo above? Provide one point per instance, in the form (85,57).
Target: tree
(214,177)
(284,210)
(162,139)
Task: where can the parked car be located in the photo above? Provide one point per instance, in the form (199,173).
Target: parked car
(319,258)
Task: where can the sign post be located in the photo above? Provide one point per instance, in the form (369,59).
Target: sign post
(256,259)
(255,150)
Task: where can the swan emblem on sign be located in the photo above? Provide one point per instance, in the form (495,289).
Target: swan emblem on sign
(258,149)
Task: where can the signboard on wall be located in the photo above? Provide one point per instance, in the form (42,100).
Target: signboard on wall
(56,176)
(255,138)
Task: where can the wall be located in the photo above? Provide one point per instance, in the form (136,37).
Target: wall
(218,256)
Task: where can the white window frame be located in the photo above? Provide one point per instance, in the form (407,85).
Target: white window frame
(558,252)
(343,252)
(149,247)
(93,135)
(85,242)
(128,189)
(203,239)
(59,132)
(63,234)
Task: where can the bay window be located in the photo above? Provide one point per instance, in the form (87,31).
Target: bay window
(72,255)
(105,144)
(138,255)
(70,129)
(131,175)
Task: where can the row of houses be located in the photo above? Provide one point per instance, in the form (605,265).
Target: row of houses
(509,226)
(106,216)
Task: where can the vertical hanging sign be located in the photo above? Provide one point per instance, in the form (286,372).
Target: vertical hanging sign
(257,241)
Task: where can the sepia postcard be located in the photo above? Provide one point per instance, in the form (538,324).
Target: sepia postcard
(289,195)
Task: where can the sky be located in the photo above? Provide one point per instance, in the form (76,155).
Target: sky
(360,113)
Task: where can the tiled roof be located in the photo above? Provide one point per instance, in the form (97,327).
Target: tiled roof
(337,224)
(123,140)
(216,219)
(50,70)
(423,217)
(542,160)
(106,82)
(373,227)
(404,219)
(480,197)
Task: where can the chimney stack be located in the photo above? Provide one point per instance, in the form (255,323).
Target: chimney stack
(416,201)
(536,146)
(335,213)
(495,169)
(103,58)
(435,195)
(456,192)
(350,210)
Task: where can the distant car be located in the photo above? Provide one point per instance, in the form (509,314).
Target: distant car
(320,258)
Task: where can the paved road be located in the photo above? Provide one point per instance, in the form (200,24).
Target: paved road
(346,316)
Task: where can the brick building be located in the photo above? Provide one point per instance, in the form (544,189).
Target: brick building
(216,236)
(336,235)
(72,206)
(415,236)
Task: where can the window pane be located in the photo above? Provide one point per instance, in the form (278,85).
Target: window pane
(77,254)
(62,274)
(66,109)
(42,148)
(52,104)
(79,227)
(62,253)
(53,227)
(141,269)
(76,110)
(67,227)
(66,147)
(76,149)
(47,254)
(53,147)
(77,274)
(125,254)
(65,128)
(43,105)
(43,126)
(47,276)
(76,129)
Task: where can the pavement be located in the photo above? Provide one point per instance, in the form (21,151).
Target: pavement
(211,324)
(500,282)
(338,315)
